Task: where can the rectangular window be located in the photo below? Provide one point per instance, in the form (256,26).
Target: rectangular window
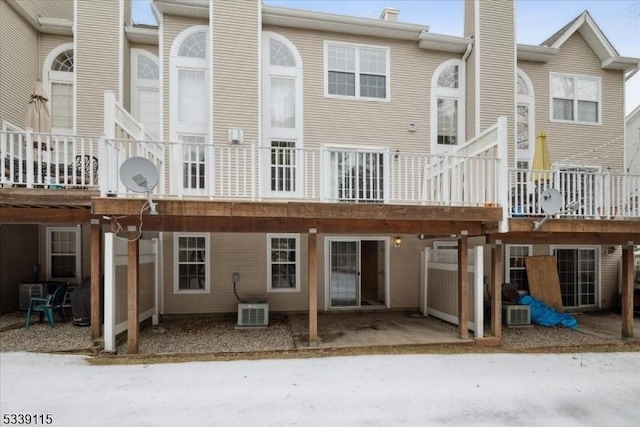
(149,110)
(283,102)
(283,251)
(516,270)
(191,263)
(64,253)
(192,96)
(447,121)
(62,105)
(193,161)
(357,71)
(575,98)
(283,166)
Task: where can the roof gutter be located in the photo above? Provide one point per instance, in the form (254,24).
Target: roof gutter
(43,25)
(445,43)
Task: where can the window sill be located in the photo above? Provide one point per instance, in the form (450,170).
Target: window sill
(356,98)
(573,122)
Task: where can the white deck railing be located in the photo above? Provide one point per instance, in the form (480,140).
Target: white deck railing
(585,194)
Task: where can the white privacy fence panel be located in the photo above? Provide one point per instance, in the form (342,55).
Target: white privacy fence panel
(116,285)
(439,286)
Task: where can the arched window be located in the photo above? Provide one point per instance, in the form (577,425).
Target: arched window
(525,123)
(282,115)
(145,94)
(447,124)
(58,79)
(190,117)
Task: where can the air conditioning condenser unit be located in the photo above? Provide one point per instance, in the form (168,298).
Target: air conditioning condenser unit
(253,313)
(516,314)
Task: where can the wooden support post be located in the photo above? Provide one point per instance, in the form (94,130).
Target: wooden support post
(627,291)
(133,325)
(497,278)
(96,275)
(313,287)
(463,286)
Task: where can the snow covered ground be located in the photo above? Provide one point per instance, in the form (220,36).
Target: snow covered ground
(591,389)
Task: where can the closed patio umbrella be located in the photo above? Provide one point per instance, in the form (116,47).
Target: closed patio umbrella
(541,164)
(38,115)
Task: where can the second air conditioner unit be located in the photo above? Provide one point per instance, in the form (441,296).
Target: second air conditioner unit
(516,314)
(253,313)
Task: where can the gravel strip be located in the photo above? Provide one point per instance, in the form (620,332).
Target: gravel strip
(220,335)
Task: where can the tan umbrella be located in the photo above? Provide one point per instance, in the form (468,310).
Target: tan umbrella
(541,164)
(38,115)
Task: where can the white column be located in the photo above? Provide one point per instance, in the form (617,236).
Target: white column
(109,294)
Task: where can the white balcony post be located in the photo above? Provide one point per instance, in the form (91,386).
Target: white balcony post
(109,293)
(503,174)
(104,168)
(446,185)
(109,115)
(29,170)
(387,177)
(255,178)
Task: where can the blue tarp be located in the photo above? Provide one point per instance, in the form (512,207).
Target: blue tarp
(542,314)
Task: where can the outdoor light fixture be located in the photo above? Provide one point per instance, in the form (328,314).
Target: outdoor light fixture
(397,242)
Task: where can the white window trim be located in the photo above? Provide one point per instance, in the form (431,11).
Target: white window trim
(507,258)
(288,236)
(207,271)
(49,77)
(139,83)
(447,93)
(357,96)
(598,266)
(176,128)
(575,99)
(528,100)
(78,232)
(10,127)
(282,134)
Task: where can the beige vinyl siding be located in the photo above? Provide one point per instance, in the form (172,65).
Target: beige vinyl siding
(16,266)
(367,123)
(19,66)
(497,64)
(126,75)
(235,69)
(470,95)
(148,47)
(172,27)
(48,42)
(565,140)
(61,9)
(609,277)
(96,62)
(405,272)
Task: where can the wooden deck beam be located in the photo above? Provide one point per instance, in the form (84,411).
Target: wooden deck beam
(96,279)
(133,325)
(558,238)
(627,290)
(463,286)
(497,278)
(313,287)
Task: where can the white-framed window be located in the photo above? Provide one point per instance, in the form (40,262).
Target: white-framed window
(356,71)
(189,105)
(447,112)
(575,99)
(145,92)
(515,269)
(283,262)
(191,263)
(64,254)
(282,124)
(58,75)
(445,245)
(525,120)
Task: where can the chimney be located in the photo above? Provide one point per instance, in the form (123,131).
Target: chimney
(390,14)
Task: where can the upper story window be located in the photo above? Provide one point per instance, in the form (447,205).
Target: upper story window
(145,92)
(282,124)
(189,107)
(446,98)
(58,78)
(525,123)
(356,71)
(575,98)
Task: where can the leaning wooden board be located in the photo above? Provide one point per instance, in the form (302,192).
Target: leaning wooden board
(544,284)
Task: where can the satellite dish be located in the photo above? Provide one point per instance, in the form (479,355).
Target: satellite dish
(140,175)
(551,201)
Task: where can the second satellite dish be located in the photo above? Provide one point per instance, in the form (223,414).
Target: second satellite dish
(551,201)
(139,174)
